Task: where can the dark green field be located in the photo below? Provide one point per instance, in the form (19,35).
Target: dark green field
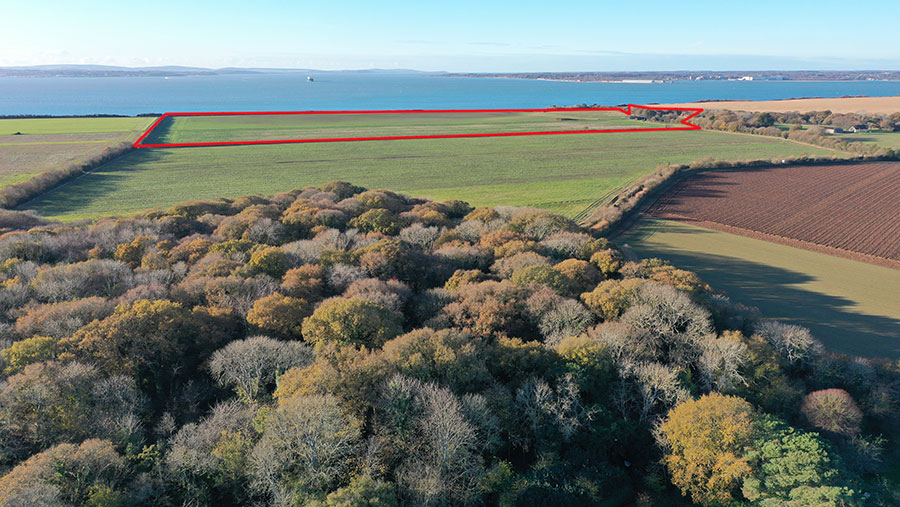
(566,174)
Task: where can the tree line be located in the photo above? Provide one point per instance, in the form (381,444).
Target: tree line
(341,346)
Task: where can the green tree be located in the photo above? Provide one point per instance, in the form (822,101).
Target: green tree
(377,220)
(788,463)
(452,357)
(363,491)
(541,274)
(270,260)
(279,315)
(24,352)
(353,321)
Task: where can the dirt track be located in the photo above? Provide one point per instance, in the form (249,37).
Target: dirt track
(870,105)
(848,210)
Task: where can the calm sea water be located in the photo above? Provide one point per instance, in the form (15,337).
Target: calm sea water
(283,92)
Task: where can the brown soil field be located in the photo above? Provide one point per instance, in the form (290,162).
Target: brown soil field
(849,210)
(870,105)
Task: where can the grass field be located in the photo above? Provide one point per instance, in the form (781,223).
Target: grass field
(50,143)
(566,174)
(852,307)
(198,129)
(878,138)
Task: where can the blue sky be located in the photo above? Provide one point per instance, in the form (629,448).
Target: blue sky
(461,35)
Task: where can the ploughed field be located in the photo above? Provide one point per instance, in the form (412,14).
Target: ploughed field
(29,146)
(850,210)
(567,174)
(205,129)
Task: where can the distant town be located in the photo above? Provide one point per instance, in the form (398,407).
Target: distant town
(662,77)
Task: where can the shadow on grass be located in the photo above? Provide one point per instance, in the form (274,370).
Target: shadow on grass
(776,292)
(160,133)
(78,195)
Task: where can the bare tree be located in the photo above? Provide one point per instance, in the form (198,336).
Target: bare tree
(307,443)
(721,362)
(648,390)
(441,461)
(252,364)
(550,413)
(796,344)
(671,316)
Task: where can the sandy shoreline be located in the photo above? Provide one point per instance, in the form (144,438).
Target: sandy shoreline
(870,105)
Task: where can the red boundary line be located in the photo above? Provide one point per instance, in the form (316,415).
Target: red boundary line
(626,110)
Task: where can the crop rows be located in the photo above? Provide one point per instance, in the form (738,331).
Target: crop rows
(846,207)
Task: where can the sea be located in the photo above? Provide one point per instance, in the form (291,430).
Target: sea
(369,91)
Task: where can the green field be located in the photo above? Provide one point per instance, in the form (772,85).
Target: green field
(32,145)
(852,307)
(878,138)
(198,129)
(566,174)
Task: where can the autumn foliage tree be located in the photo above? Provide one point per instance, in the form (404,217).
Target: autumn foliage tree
(705,441)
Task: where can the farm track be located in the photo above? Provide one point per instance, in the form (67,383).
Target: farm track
(846,210)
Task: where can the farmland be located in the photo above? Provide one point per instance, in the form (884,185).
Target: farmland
(852,307)
(870,105)
(29,146)
(876,138)
(846,209)
(567,174)
(205,129)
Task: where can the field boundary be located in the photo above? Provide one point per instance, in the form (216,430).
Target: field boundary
(626,110)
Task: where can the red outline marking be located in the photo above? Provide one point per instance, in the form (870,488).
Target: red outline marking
(625,111)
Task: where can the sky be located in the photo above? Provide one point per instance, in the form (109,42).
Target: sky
(456,36)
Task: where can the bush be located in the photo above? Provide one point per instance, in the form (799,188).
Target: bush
(62,319)
(101,277)
(54,403)
(564,319)
(506,266)
(581,275)
(539,225)
(677,322)
(795,344)
(608,261)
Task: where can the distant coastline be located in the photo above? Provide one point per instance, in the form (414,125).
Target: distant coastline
(45,71)
(667,77)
